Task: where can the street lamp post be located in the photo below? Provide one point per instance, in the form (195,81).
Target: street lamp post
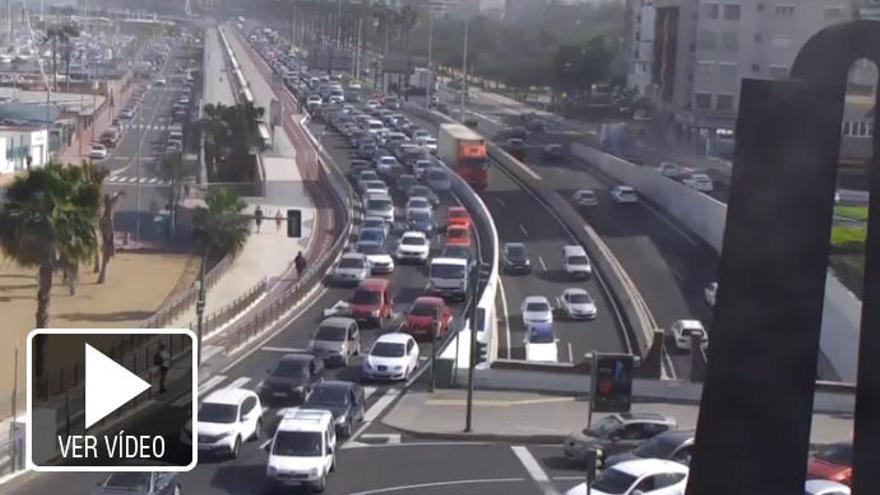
(464,67)
(429,86)
(435,330)
(472,358)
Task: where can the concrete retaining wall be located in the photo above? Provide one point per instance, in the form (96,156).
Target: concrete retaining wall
(706,217)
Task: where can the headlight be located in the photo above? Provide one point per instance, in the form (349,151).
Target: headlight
(375,313)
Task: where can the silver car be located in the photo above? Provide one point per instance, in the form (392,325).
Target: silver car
(337,340)
(351,269)
(438,180)
(139,483)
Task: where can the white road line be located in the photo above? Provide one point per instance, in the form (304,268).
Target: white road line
(409,488)
(211,383)
(181,401)
(570,353)
(369,391)
(380,405)
(543,265)
(501,202)
(242,381)
(210,351)
(669,222)
(536,472)
(506,314)
(523,230)
(264,444)
(269,348)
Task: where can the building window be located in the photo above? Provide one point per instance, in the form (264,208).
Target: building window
(710,10)
(778,71)
(756,68)
(846,128)
(705,72)
(724,102)
(731,12)
(785,10)
(707,40)
(703,101)
(729,41)
(728,72)
(780,41)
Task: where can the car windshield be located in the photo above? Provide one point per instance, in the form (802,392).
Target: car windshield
(419,216)
(379,204)
(577,260)
(537,307)
(292,368)
(387,349)
(372,234)
(580,298)
(210,412)
(420,191)
(604,427)
(297,444)
(423,309)
(658,447)
(613,482)
(437,175)
(418,204)
(135,482)
(362,296)
(370,249)
(840,454)
(413,241)
(328,396)
(330,332)
(351,263)
(456,233)
(541,336)
(443,270)
(516,251)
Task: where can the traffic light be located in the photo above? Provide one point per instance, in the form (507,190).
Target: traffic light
(612,382)
(294,223)
(482,352)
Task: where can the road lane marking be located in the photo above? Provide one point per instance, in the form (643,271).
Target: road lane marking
(211,383)
(570,353)
(380,405)
(543,265)
(506,315)
(536,472)
(269,348)
(239,382)
(368,392)
(406,488)
(523,230)
(501,202)
(689,238)
(265,444)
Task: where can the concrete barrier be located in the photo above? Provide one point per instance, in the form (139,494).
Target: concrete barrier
(706,217)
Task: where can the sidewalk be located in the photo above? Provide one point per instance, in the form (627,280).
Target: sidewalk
(216,79)
(540,418)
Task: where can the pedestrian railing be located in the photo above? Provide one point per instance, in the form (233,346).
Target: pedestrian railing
(222,316)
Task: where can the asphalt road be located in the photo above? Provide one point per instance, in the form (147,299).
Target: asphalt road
(670,266)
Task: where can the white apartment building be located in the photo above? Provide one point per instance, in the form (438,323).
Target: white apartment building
(20,143)
(704,48)
(639,44)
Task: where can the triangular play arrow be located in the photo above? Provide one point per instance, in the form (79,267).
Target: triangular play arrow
(109,385)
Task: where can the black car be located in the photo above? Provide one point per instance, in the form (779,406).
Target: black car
(671,445)
(425,192)
(405,181)
(292,378)
(345,400)
(516,258)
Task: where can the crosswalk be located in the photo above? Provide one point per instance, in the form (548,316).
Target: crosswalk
(225,381)
(124,179)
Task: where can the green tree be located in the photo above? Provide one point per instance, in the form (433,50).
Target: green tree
(220,227)
(173,170)
(49,218)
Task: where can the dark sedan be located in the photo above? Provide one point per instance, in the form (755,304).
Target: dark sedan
(345,400)
(671,445)
(292,378)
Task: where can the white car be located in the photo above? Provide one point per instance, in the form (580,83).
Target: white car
(227,418)
(337,99)
(429,144)
(669,169)
(585,197)
(700,182)
(373,104)
(710,293)
(385,164)
(624,195)
(98,152)
(314,100)
(161,81)
(541,344)
(351,269)
(413,246)
(394,356)
(683,329)
(420,134)
(825,487)
(417,203)
(421,167)
(536,309)
(638,477)
(303,450)
(380,261)
(379,205)
(577,304)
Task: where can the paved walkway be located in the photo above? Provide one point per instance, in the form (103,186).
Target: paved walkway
(521,416)
(216,80)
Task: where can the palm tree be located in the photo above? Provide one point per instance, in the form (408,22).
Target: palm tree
(49,219)
(68,32)
(220,228)
(173,170)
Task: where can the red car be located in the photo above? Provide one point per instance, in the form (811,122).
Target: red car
(832,463)
(458,235)
(420,319)
(372,301)
(458,215)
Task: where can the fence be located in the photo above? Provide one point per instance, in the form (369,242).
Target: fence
(225,314)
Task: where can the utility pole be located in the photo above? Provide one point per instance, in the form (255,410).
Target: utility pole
(430,86)
(464,68)
(200,305)
(472,355)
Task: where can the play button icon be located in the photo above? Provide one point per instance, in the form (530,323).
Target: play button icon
(108,385)
(104,400)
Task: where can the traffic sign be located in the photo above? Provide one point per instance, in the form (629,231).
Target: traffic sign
(612,377)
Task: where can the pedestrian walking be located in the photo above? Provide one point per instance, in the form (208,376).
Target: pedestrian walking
(162,359)
(300,263)
(279,218)
(258,215)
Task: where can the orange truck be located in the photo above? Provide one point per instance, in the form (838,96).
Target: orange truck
(464,151)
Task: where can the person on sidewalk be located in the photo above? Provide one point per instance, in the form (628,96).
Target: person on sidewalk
(162,359)
(300,263)
(258,215)
(279,218)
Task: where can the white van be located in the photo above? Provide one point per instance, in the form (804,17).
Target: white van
(449,277)
(575,262)
(375,126)
(379,205)
(303,450)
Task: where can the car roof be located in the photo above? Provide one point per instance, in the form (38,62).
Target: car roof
(690,324)
(630,417)
(625,188)
(417,198)
(449,261)
(514,244)
(374,284)
(429,300)
(227,396)
(457,227)
(297,357)
(336,384)
(575,290)
(301,419)
(337,321)
(456,209)
(395,338)
(530,299)
(642,467)
(414,233)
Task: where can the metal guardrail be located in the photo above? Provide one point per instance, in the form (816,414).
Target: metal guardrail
(224,315)
(173,307)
